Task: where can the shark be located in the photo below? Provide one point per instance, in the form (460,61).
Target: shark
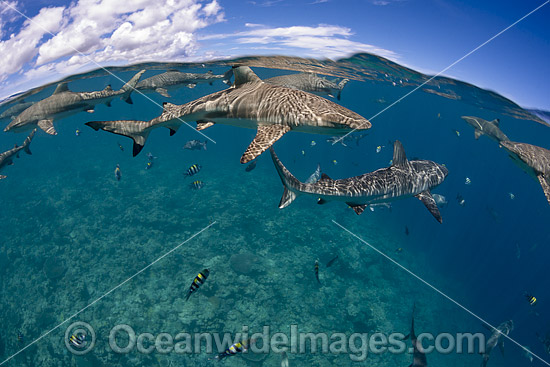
(250,103)
(495,339)
(310,82)
(63,103)
(6,158)
(532,159)
(419,354)
(483,127)
(402,179)
(173,79)
(15,110)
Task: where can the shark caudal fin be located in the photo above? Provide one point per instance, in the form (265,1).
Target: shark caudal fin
(341,86)
(290,182)
(27,142)
(129,87)
(138,131)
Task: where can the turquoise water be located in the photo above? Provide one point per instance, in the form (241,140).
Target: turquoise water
(71,232)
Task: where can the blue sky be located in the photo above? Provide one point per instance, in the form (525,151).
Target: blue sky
(426,35)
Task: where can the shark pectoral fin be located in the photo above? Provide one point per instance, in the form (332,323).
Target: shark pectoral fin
(477,133)
(201,125)
(265,137)
(2,177)
(399,156)
(163,92)
(358,209)
(545,183)
(287,199)
(61,87)
(47,126)
(427,199)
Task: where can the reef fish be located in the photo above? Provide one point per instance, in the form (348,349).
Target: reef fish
(193,170)
(197,282)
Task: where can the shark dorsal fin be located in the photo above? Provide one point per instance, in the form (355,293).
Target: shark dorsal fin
(243,75)
(209,72)
(399,157)
(108,88)
(324,176)
(496,122)
(61,87)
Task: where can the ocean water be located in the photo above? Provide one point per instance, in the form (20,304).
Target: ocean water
(74,238)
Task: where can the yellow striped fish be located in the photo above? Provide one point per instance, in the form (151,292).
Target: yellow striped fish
(197,282)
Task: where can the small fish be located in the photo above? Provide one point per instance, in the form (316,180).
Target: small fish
(460,200)
(313,143)
(531,299)
(379,148)
(195,145)
(250,166)
(439,116)
(317,271)
(303,152)
(406,230)
(197,185)
(512,196)
(118,173)
(197,282)
(329,264)
(78,340)
(149,165)
(120,147)
(151,156)
(468,181)
(77,132)
(457,133)
(193,170)
(440,200)
(19,337)
(399,250)
(335,162)
(234,349)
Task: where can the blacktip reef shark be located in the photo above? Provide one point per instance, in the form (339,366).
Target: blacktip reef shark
(419,354)
(484,127)
(6,158)
(402,179)
(249,103)
(532,159)
(63,103)
(173,79)
(496,339)
(310,82)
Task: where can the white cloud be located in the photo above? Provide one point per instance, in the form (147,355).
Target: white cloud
(321,41)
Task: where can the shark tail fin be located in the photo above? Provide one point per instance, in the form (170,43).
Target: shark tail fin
(129,87)
(341,86)
(290,182)
(138,131)
(27,142)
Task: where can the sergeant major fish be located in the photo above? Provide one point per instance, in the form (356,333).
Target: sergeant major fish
(63,103)
(197,185)
(402,179)
(197,282)
(249,103)
(193,170)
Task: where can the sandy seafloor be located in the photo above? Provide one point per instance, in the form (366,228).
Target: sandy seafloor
(71,232)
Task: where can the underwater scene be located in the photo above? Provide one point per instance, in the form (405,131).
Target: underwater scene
(356,202)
